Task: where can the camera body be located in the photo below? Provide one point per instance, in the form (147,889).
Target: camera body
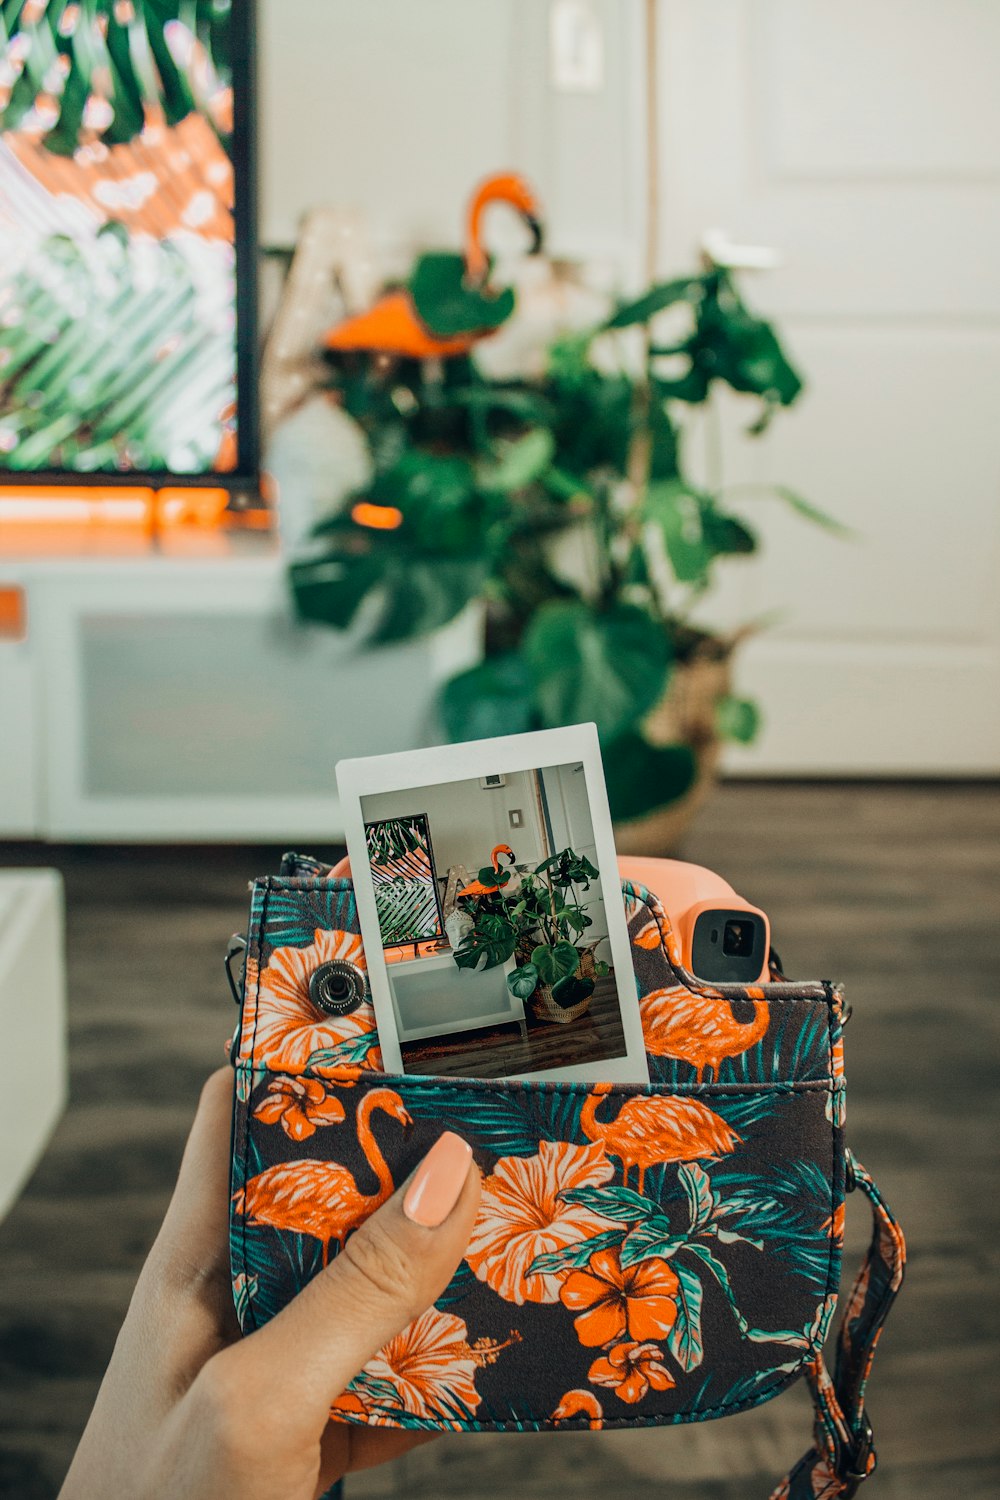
(723,939)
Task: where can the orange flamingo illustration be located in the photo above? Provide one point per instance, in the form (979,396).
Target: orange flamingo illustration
(648,1130)
(476,887)
(321,1198)
(580,1404)
(698,1029)
(393,325)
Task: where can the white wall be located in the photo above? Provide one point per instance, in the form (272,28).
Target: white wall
(399,107)
(467,821)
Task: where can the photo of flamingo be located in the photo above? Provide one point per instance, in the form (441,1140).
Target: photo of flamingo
(117,238)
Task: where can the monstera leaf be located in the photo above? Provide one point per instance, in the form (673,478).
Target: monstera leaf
(609,666)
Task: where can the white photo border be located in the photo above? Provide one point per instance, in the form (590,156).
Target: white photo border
(435,765)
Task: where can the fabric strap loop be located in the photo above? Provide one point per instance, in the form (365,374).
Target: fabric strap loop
(843,1453)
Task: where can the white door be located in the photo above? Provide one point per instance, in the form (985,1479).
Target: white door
(864,142)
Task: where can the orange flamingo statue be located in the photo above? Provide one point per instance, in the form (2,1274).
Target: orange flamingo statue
(321,1198)
(580,1404)
(699,1029)
(652,1129)
(393,325)
(477,887)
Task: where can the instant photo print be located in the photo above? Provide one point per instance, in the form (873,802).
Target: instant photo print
(491,910)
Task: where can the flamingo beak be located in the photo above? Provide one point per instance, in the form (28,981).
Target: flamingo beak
(537,234)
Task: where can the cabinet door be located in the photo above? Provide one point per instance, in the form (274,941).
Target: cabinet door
(182,703)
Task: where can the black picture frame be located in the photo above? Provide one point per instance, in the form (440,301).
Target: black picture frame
(424,937)
(244,480)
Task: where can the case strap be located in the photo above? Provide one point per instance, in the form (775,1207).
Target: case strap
(843,1453)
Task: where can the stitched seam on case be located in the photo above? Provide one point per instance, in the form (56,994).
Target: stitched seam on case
(261,929)
(418,1083)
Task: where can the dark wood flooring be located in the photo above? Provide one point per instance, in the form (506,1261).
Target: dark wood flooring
(504,1052)
(892,889)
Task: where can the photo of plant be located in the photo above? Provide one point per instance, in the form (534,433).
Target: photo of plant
(117,237)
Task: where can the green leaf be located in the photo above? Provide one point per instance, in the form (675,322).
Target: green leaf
(650,1241)
(571,990)
(344,1054)
(617,1203)
(523,981)
(698,1190)
(665,294)
(678,511)
(447,305)
(641,777)
(609,667)
(737,719)
(555,962)
(572,1257)
(489,944)
(521,462)
(684,1339)
(494,698)
(416,594)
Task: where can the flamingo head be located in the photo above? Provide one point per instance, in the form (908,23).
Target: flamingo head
(503,187)
(391,1104)
(497,852)
(579,1403)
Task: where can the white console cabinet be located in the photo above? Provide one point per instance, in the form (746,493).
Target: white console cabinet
(166,697)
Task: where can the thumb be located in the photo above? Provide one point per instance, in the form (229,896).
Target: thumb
(389,1271)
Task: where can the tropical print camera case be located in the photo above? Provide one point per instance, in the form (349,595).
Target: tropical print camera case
(642,1255)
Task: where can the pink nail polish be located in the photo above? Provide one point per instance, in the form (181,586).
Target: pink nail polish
(438,1181)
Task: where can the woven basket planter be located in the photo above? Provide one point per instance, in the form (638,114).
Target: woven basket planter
(685,713)
(548,1009)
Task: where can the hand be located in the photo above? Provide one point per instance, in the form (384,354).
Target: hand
(190,1409)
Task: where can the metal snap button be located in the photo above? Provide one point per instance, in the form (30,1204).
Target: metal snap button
(338,987)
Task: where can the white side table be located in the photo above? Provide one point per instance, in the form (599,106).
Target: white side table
(32,1022)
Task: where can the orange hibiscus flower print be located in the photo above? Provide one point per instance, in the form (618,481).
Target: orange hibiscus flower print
(631,1370)
(299,1105)
(637,1302)
(284,1027)
(430,1367)
(522,1216)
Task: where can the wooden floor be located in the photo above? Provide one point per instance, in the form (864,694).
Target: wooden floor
(506,1051)
(893,890)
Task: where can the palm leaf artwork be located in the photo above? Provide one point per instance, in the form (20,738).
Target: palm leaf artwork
(117,329)
(406,895)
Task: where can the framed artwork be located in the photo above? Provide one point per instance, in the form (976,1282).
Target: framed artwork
(128,341)
(401,859)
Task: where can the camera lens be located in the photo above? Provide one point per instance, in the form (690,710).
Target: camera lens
(737,939)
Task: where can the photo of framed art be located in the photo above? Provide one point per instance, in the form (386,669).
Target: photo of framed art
(401,858)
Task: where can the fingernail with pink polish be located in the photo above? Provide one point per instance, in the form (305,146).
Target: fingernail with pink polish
(438,1181)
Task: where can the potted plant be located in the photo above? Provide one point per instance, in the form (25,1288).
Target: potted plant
(563,502)
(537,917)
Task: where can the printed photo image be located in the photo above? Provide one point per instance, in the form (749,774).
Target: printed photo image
(494,908)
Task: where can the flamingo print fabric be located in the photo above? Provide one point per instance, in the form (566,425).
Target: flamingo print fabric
(642,1255)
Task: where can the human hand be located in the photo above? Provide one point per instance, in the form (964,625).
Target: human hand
(190,1409)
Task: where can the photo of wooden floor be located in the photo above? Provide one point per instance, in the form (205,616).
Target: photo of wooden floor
(505,1051)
